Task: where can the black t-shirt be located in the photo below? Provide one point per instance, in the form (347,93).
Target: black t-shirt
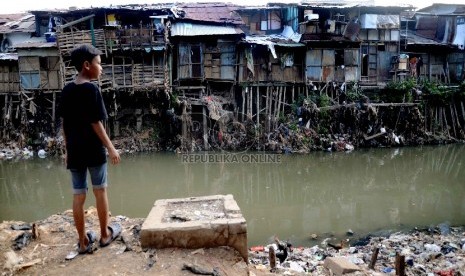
(81,105)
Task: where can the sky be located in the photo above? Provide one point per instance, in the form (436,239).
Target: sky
(17,6)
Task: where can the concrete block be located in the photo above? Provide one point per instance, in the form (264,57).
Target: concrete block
(196,222)
(340,266)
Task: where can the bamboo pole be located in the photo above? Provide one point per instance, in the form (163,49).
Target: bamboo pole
(445,120)
(258,105)
(284,99)
(53,110)
(431,116)
(463,111)
(267,108)
(280,94)
(457,117)
(249,105)
(293,90)
(5,112)
(452,118)
(243,103)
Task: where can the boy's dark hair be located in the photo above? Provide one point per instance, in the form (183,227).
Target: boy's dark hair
(82,53)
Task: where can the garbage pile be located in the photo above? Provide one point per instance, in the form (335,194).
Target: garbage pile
(431,251)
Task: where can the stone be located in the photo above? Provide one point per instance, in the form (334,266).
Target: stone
(196,222)
(340,266)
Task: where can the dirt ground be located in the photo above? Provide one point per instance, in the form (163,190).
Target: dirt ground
(46,254)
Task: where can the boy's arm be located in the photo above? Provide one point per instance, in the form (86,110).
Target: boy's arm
(112,152)
(65,155)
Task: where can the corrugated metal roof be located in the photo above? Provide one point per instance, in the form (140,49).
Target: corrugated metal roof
(8,56)
(36,44)
(212,12)
(192,29)
(25,24)
(444,9)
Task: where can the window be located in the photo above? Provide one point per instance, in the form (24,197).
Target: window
(30,80)
(190,61)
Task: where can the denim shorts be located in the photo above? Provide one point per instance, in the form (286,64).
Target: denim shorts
(98,176)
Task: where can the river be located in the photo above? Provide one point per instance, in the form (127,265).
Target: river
(292,196)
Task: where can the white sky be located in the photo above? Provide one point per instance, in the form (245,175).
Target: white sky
(16,6)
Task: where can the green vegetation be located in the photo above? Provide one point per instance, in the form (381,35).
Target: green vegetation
(398,91)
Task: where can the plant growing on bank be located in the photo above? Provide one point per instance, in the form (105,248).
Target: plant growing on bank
(398,91)
(437,93)
(354,92)
(324,115)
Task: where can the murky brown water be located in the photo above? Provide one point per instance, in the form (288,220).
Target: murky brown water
(366,190)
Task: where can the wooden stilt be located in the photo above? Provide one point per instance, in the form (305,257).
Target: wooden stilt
(53,111)
(258,105)
(459,126)
(293,90)
(243,103)
(249,105)
(445,120)
(205,128)
(463,111)
(452,118)
(267,110)
(283,104)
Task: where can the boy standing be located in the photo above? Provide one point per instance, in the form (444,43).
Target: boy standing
(82,111)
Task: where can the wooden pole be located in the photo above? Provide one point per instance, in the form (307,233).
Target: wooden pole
(400,265)
(249,103)
(205,128)
(267,110)
(284,99)
(452,118)
(53,111)
(293,90)
(445,120)
(243,103)
(374,258)
(258,105)
(457,117)
(463,111)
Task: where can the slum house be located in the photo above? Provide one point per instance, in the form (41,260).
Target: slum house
(19,74)
(204,65)
(433,41)
(271,63)
(132,41)
(349,43)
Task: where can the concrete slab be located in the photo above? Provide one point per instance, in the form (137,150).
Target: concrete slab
(340,265)
(196,222)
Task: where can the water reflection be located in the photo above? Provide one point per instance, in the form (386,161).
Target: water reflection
(318,193)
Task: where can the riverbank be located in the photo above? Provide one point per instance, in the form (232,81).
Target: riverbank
(40,250)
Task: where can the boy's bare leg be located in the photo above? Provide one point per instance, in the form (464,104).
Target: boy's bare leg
(78,215)
(101,200)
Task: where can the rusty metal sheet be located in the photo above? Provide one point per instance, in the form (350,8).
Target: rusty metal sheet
(328,57)
(212,12)
(328,73)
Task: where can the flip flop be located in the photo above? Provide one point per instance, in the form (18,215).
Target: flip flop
(89,249)
(115,229)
